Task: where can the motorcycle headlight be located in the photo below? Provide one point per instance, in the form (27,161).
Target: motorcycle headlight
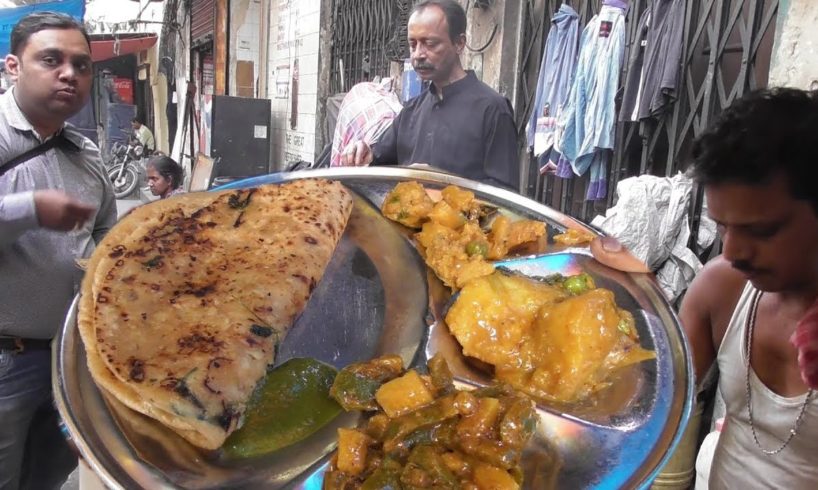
(138,151)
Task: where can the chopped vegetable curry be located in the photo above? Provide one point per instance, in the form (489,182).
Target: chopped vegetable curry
(424,433)
(453,239)
(557,340)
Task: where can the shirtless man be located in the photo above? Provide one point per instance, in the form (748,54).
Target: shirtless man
(759,168)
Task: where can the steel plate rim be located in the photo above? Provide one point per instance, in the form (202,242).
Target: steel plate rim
(61,401)
(650,285)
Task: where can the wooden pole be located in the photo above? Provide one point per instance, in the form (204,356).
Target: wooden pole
(220,48)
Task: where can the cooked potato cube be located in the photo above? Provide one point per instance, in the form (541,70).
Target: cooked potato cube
(480,423)
(408,204)
(404,394)
(574,237)
(456,464)
(460,199)
(447,216)
(488,477)
(523,232)
(352,449)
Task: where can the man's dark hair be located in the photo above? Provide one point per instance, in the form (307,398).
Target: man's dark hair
(453,11)
(40,21)
(765,134)
(169,169)
(136,120)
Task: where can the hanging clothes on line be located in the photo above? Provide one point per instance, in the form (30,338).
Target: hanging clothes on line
(655,61)
(559,61)
(586,127)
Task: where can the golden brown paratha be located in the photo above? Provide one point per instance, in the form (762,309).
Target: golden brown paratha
(185,301)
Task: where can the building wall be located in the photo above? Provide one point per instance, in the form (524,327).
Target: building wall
(117,16)
(107,16)
(480,25)
(796,45)
(159,92)
(244,48)
(181,70)
(491,38)
(292,82)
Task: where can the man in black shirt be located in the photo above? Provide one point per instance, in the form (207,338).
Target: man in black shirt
(458,123)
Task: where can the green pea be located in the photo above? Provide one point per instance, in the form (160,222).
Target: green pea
(477,247)
(577,284)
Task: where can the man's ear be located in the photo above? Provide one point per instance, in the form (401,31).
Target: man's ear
(460,43)
(12,65)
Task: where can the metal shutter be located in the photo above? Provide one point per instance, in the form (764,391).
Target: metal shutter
(203,21)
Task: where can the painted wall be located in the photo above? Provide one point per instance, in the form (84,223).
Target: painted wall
(796,46)
(245,48)
(292,82)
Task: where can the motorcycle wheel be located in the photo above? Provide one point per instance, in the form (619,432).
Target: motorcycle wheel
(125,184)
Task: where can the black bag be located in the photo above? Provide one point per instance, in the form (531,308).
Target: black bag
(34,152)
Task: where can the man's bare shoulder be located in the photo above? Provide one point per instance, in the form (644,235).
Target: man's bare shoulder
(707,308)
(715,292)
(719,278)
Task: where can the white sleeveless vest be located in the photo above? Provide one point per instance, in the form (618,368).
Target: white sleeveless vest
(738,462)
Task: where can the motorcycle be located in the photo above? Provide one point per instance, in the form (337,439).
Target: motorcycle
(123,168)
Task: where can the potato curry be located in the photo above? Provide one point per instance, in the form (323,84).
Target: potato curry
(573,237)
(421,432)
(453,239)
(557,339)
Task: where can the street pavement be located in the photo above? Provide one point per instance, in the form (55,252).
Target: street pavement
(125,205)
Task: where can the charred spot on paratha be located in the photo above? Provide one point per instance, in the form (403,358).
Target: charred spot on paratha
(155,262)
(199,291)
(260,330)
(182,390)
(136,369)
(238,221)
(117,251)
(227,419)
(198,342)
(235,201)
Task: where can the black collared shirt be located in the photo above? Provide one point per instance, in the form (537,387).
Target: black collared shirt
(469,132)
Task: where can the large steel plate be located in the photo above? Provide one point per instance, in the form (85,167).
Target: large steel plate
(377,297)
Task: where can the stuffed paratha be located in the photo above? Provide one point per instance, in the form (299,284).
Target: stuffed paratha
(185,301)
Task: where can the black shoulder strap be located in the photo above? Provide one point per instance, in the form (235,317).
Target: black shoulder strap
(28,155)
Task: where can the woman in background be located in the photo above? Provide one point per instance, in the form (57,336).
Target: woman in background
(165,176)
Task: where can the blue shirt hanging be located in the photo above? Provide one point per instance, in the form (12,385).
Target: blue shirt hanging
(559,61)
(587,125)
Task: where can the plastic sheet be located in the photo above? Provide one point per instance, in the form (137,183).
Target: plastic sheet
(651,219)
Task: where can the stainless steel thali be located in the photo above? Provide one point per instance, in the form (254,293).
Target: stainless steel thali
(377,297)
